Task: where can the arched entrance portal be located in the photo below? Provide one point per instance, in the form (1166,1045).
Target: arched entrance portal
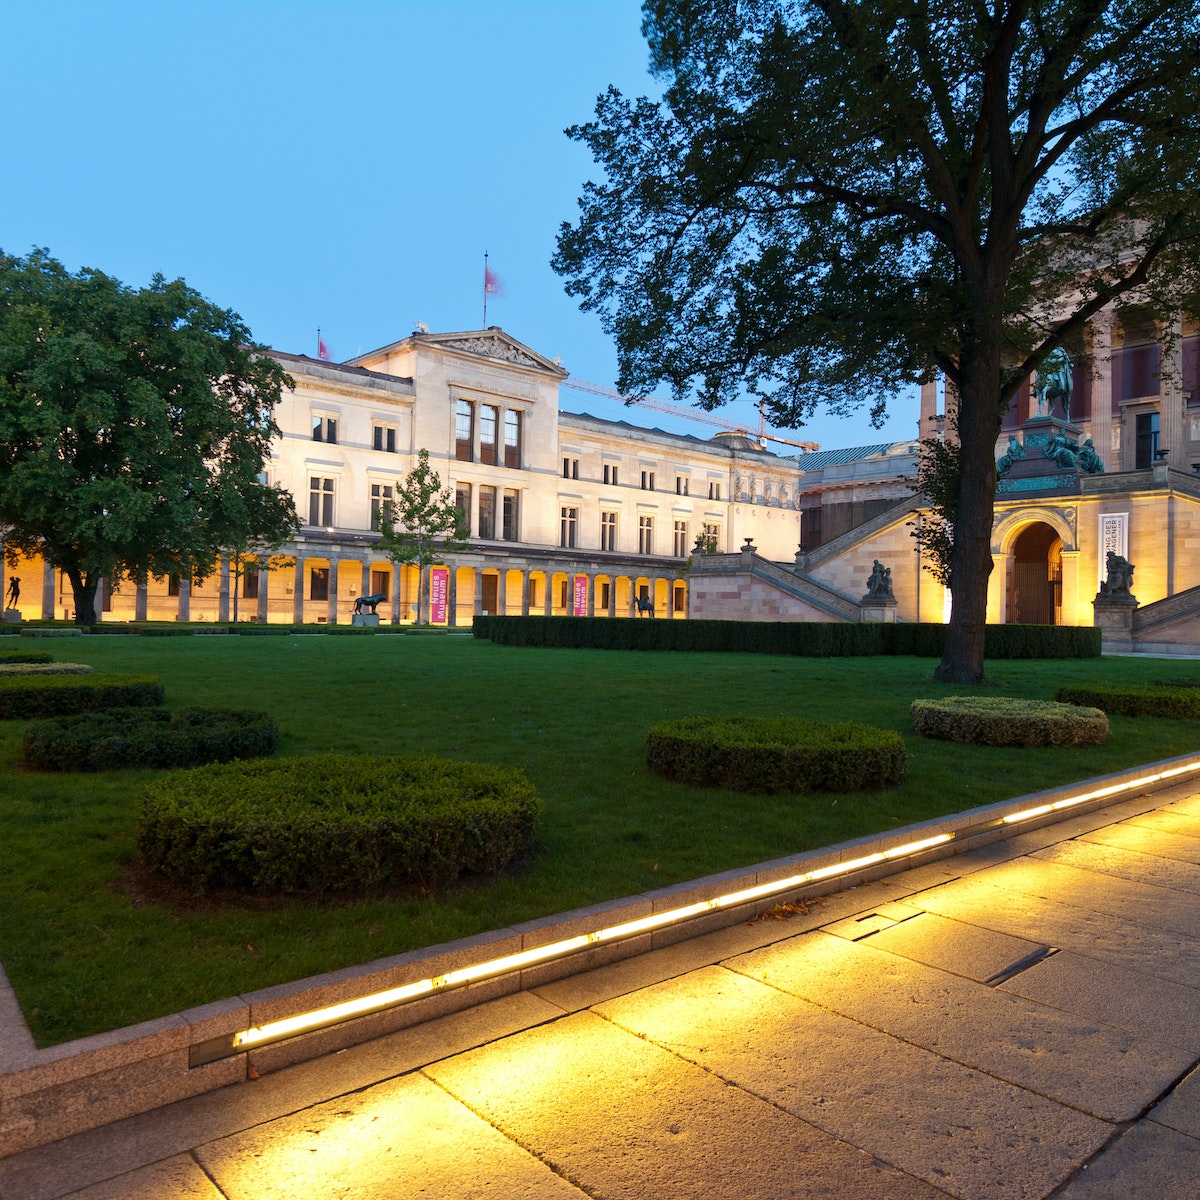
(1035,586)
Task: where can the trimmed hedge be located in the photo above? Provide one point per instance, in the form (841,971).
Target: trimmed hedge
(17,657)
(1005,721)
(333,822)
(1125,701)
(815,639)
(25,669)
(775,754)
(29,696)
(147,737)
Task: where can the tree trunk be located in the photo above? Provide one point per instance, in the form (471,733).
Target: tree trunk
(83,588)
(971,561)
(423,615)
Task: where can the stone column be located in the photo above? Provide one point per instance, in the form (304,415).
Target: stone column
(997,598)
(264,609)
(525,581)
(47,591)
(331,605)
(927,426)
(591,603)
(1172,435)
(184,611)
(1070,589)
(478,589)
(139,599)
(223,591)
(1102,381)
(298,592)
(452,596)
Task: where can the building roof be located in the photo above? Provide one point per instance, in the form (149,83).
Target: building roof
(829,458)
(710,445)
(317,365)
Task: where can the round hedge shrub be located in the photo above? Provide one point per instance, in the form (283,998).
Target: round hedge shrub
(335,823)
(775,754)
(24,697)
(147,737)
(1004,721)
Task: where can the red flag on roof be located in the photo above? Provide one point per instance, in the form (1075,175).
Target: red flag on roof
(493,285)
(322,349)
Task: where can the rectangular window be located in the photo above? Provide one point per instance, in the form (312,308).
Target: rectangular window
(318,583)
(510,526)
(325,430)
(647,481)
(610,474)
(681,485)
(250,575)
(570,468)
(488,432)
(714,490)
(712,535)
(464,431)
(680,599)
(1146,446)
(172,585)
(512,438)
(462,501)
(487,511)
(569,527)
(605,595)
(681,539)
(645,535)
(381,494)
(383,437)
(381,584)
(608,531)
(320,501)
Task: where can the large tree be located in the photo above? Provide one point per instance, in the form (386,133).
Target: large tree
(134,425)
(834,201)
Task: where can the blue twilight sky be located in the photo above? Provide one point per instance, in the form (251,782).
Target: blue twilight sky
(341,165)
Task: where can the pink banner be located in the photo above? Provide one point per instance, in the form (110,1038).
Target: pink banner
(579,609)
(439,587)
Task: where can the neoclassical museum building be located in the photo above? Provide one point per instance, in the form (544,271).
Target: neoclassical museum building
(568,513)
(573,514)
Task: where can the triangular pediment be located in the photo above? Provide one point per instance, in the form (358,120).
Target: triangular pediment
(492,343)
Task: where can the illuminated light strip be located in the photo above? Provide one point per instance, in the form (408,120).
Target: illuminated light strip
(320,1018)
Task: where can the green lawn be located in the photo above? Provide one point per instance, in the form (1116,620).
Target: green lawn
(84,957)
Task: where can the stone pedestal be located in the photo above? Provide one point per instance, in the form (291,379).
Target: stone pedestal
(878,608)
(12,616)
(1113,616)
(367,620)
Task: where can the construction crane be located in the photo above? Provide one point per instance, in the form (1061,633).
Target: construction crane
(685,413)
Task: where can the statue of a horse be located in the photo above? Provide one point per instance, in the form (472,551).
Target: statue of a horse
(1054,381)
(368,602)
(645,606)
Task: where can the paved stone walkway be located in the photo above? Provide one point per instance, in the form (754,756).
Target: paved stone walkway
(1022,1021)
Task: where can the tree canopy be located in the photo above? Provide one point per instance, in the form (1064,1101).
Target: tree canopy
(134,425)
(833,201)
(421,524)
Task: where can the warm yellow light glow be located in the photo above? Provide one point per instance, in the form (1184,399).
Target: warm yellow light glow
(320,1018)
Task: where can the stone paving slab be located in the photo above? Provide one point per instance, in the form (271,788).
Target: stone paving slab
(1099,1070)
(400,1139)
(1126,864)
(958,1129)
(1181,1109)
(1149,1161)
(955,946)
(177,1178)
(1146,839)
(1141,903)
(1169,820)
(1156,1008)
(629,1121)
(1149,951)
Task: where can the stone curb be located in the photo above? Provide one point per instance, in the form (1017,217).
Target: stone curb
(49,1094)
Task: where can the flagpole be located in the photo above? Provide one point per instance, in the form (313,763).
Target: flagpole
(485,269)
(318,341)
